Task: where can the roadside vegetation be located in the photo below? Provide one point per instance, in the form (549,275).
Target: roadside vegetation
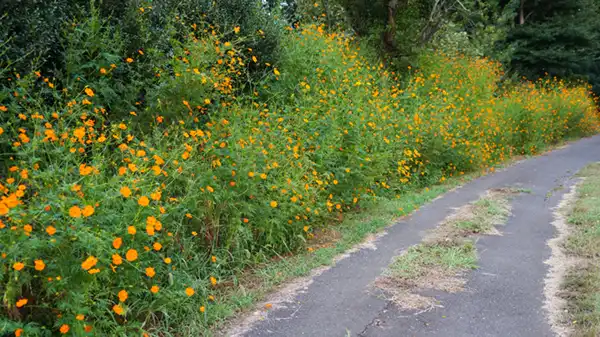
(581,286)
(151,155)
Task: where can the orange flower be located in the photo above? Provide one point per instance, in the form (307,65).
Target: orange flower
(22,302)
(273,204)
(50,230)
(150,272)
(123,295)
(117,243)
(89,263)
(19,332)
(189,291)
(87,211)
(143,201)
(131,230)
(64,329)
(118,309)
(89,92)
(156,196)
(125,191)
(79,133)
(154,289)
(202,309)
(87,328)
(213,259)
(75,212)
(131,255)
(39,265)
(156,246)
(117,259)
(213,280)
(18,266)
(150,229)
(129,60)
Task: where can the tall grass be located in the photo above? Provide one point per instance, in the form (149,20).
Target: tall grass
(167,201)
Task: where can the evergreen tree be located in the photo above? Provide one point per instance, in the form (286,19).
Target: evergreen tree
(556,37)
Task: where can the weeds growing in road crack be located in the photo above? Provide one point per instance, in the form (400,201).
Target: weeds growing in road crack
(441,260)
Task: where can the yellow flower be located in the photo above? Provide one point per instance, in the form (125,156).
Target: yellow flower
(131,255)
(167,260)
(89,92)
(210,189)
(273,204)
(125,191)
(236,29)
(276,72)
(80,317)
(189,291)
(213,280)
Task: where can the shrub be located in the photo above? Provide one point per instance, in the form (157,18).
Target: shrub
(109,230)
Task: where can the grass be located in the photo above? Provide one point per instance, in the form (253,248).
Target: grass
(581,287)
(418,260)
(444,255)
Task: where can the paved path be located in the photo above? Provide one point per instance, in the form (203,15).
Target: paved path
(504,296)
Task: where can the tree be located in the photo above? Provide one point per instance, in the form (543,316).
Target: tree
(556,37)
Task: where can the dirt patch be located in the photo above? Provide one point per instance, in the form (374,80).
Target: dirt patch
(445,254)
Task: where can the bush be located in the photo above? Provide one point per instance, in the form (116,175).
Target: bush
(108,230)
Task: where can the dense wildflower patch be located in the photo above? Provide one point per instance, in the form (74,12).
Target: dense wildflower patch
(128,223)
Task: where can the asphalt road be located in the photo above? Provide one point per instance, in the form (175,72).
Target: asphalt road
(504,296)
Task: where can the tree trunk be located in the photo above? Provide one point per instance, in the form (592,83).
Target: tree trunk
(521,12)
(389,37)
